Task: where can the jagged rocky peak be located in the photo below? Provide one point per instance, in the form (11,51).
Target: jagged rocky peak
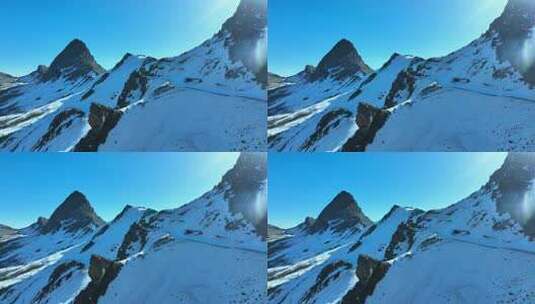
(247,43)
(514,189)
(247,191)
(516,31)
(249,21)
(73,62)
(343,212)
(342,61)
(517,18)
(73,215)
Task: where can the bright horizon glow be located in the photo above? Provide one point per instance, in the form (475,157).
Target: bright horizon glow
(35,184)
(303,31)
(302,184)
(41,29)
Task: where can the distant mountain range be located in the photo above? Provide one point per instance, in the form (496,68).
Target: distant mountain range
(216,243)
(478,250)
(211,98)
(478,98)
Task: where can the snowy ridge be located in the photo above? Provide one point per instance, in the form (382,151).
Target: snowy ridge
(143,103)
(474,251)
(478,98)
(206,240)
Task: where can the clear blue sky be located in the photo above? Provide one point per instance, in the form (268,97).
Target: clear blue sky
(34,184)
(35,31)
(302,184)
(302,31)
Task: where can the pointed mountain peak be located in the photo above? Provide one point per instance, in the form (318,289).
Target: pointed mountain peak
(344,211)
(513,187)
(73,62)
(342,61)
(73,214)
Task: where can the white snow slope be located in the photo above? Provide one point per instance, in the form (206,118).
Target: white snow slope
(469,252)
(470,100)
(203,100)
(202,252)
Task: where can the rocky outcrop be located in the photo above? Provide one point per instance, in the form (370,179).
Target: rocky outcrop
(514,189)
(62,273)
(329,121)
(247,42)
(370,120)
(340,214)
(516,29)
(73,215)
(101,120)
(369,272)
(61,121)
(102,272)
(402,240)
(328,274)
(74,62)
(134,88)
(135,239)
(342,61)
(247,191)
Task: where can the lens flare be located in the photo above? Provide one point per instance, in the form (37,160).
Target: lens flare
(528,203)
(260,204)
(528,51)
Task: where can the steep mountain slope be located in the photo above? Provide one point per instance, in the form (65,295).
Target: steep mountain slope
(308,111)
(143,103)
(479,250)
(215,243)
(6,80)
(479,98)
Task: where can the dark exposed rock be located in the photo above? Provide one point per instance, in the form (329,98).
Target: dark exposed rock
(61,121)
(74,214)
(247,33)
(102,272)
(343,212)
(514,185)
(514,28)
(327,122)
(370,120)
(403,87)
(102,120)
(370,272)
(61,273)
(137,81)
(342,61)
(404,235)
(73,62)
(137,234)
(327,274)
(246,180)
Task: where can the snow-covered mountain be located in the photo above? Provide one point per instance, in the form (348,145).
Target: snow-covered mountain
(478,250)
(211,98)
(211,250)
(479,98)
